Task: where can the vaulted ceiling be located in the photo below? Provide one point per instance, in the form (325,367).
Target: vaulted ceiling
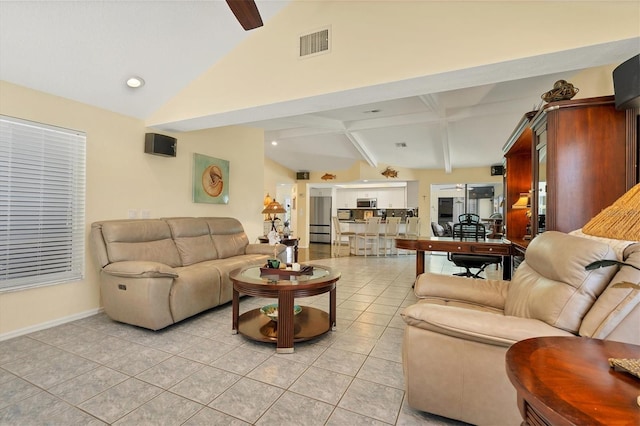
(85,50)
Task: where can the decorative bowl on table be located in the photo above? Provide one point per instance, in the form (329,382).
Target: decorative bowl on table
(272,311)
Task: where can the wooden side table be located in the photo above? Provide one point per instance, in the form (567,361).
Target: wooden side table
(568,381)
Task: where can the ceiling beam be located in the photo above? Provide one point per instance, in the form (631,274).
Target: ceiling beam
(396,120)
(298,133)
(317,121)
(359,144)
(446,149)
(431,102)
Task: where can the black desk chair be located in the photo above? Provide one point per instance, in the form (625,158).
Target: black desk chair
(470,228)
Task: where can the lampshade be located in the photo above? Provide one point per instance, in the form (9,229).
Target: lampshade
(523,201)
(619,221)
(274,207)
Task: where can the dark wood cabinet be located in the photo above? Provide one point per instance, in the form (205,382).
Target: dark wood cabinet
(518,177)
(584,157)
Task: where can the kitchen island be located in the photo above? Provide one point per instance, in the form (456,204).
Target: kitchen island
(358,226)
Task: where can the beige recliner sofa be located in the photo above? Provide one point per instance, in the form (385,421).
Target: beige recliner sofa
(156,272)
(458,333)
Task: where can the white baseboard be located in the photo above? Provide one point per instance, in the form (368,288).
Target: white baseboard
(49,324)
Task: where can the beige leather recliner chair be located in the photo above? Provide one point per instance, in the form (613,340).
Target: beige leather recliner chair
(458,333)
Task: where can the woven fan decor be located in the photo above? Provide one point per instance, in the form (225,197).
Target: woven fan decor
(620,221)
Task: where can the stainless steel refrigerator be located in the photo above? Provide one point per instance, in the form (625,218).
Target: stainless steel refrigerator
(320,220)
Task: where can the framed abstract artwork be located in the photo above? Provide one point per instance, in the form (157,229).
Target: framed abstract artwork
(210,180)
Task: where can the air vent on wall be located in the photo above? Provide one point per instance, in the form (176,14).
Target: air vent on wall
(314,43)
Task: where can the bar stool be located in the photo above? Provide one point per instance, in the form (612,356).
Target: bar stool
(391,232)
(412,230)
(371,233)
(337,242)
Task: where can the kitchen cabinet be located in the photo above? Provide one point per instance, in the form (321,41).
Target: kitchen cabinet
(346,198)
(387,198)
(584,157)
(320,192)
(367,193)
(392,198)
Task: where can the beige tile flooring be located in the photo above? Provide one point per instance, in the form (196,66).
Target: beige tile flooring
(95,371)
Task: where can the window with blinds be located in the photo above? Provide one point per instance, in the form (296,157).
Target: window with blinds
(42,193)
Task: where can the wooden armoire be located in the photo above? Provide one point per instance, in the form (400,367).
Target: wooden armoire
(584,156)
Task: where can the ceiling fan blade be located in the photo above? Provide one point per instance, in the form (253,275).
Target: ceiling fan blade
(246,12)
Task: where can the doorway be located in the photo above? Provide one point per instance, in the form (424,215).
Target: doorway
(449,201)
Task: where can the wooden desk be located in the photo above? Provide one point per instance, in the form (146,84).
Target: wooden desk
(499,247)
(567,381)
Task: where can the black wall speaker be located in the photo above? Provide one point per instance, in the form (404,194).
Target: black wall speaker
(626,84)
(497,170)
(160,145)
(302,175)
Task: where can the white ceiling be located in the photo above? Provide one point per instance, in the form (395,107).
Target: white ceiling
(85,50)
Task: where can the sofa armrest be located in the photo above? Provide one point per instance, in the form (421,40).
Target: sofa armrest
(491,293)
(484,327)
(140,269)
(256,248)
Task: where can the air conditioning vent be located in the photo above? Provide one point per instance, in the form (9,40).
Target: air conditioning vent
(314,43)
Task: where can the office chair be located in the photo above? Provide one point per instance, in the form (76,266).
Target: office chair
(469,227)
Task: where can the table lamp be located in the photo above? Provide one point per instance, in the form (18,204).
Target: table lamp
(524,202)
(274,208)
(267,200)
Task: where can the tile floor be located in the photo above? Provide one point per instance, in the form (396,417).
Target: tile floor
(95,371)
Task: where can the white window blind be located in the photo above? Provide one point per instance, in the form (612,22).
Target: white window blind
(42,192)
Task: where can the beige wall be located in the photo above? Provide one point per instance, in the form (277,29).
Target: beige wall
(120,177)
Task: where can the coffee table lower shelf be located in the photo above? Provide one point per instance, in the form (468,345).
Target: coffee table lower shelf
(308,324)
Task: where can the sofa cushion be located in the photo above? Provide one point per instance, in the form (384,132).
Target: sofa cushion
(192,239)
(138,269)
(617,301)
(471,324)
(148,240)
(552,284)
(196,289)
(228,236)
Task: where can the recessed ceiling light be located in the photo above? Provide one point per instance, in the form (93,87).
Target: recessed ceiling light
(135,82)
(274,143)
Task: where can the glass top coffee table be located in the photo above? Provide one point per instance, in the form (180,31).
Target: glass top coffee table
(286,328)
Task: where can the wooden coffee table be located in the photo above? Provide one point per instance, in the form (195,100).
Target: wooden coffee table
(309,323)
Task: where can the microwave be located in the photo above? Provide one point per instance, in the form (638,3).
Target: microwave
(369,203)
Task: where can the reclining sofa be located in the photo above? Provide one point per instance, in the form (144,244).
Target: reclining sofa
(458,333)
(156,272)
